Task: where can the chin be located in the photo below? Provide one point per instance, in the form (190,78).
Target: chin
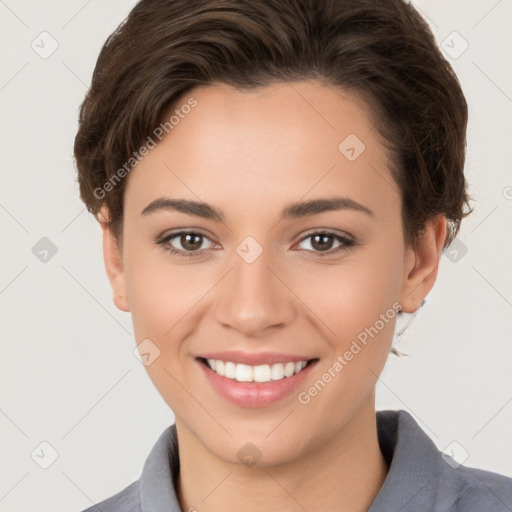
(255,453)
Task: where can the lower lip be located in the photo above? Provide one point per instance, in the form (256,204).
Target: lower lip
(255,394)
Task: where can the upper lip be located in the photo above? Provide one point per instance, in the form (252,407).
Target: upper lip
(255,358)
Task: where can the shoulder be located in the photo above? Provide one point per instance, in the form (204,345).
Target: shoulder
(422,478)
(127,500)
(482,490)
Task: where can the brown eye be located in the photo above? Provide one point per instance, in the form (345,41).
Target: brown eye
(184,243)
(191,241)
(323,241)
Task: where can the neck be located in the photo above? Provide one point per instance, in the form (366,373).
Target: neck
(346,473)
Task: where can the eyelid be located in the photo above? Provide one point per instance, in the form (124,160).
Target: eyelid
(327,231)
(168,236)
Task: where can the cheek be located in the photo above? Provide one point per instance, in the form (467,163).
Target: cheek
(160,292)
(357,302)
(162,297)
(351,296)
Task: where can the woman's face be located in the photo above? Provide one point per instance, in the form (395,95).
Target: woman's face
(320,283)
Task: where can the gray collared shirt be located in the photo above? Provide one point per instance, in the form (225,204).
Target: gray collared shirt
(420,478)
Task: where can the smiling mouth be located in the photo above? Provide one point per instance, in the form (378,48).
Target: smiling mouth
(258,373)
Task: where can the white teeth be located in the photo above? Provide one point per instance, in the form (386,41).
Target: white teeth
(220,367)
(244,373)
(230,370)
(289,369)
(277,371)
(260,373)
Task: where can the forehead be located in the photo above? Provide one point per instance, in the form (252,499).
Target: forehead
(273,144)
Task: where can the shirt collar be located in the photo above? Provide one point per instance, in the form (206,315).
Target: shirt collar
(415,464)
(159,474)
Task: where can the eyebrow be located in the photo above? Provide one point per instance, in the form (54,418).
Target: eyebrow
(293,211)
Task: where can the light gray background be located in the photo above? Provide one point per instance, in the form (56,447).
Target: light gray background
(67,369)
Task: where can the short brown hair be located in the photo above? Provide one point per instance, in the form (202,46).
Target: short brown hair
(382,49)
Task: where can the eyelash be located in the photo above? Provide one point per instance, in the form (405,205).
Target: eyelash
(346,243)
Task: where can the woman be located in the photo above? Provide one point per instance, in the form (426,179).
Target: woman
(276,182)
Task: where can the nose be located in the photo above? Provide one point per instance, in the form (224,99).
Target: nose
(253,299)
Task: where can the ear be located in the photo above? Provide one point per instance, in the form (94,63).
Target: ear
(113,264)
(422,264)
